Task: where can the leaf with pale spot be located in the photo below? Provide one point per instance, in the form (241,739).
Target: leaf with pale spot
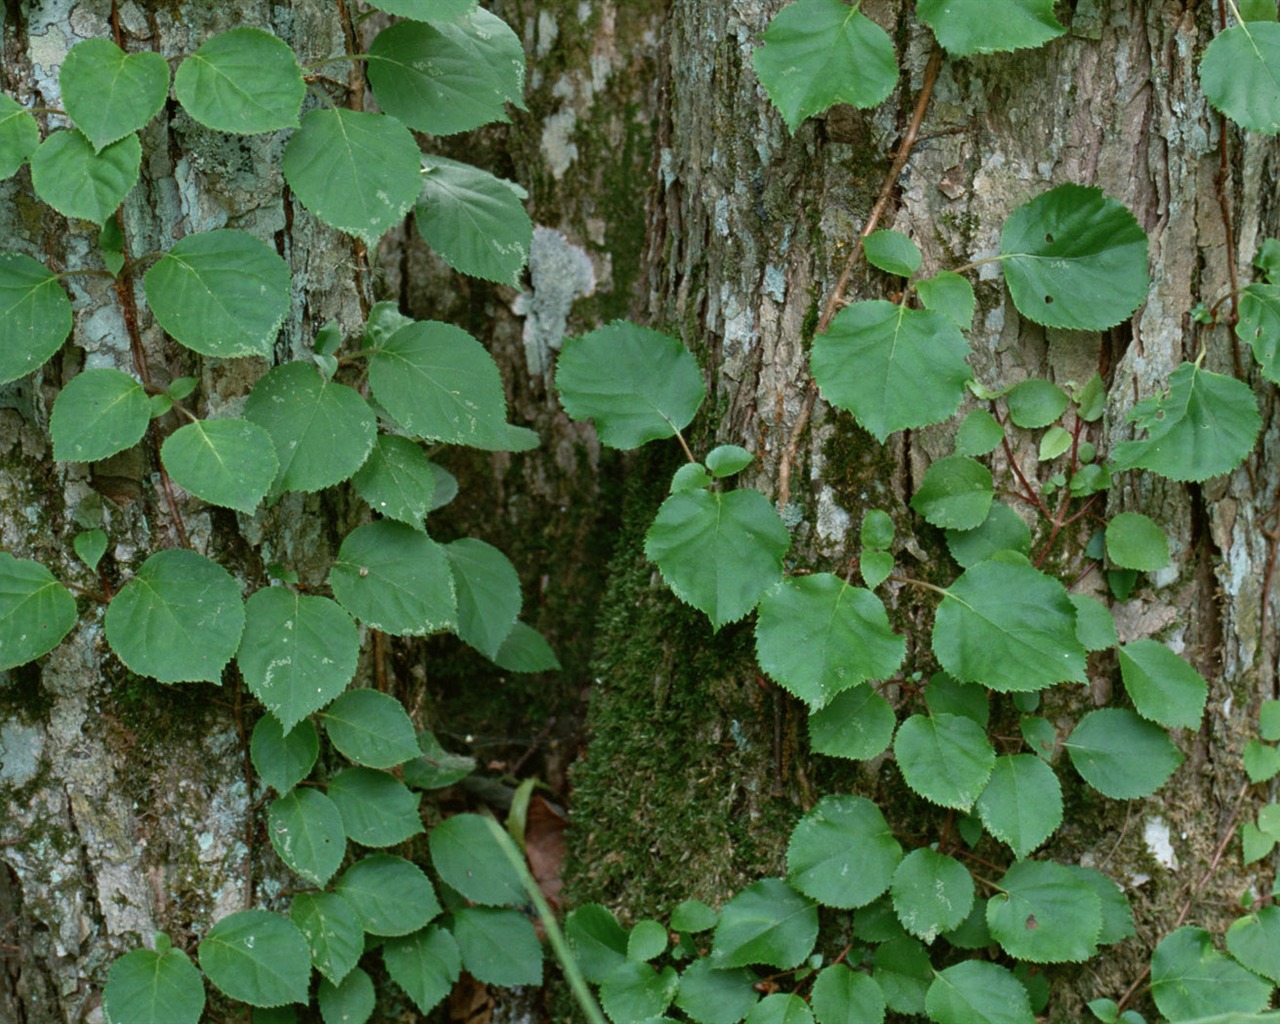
(257,957)
(1042,913)
(842,853)
(945,758)
(474,220)
(98,413)
(306,832)
(395,579)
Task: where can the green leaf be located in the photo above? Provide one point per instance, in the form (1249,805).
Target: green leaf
(817,636)
(440,10)
(390,895)
(397,480)
(467,857)
(257,957)
(35,315)
(298,652)
(1035,403)
(357,172)
(226,462)
(718,551)
(726,459)
(638,385)
(1117,915)
(395,579)
(475,221)
(892,251)
(99,413)
(947,759)
(1010,627)
(1135,542)
(768,922)
(332,931)
(1056,441)
(648,939)
(19,136)
(90,546)
(1074,258)
(780,1008)
(1269,720)
(821,53)
(322,431)
(712,996)
(956,493)
(637,992)
(1254,940)
(526,650)
(1238,75)
(179,619)
(1255,844)
(305,829)
(36,611)
(1003,25)
(1204,425)
(153,986)
(1091,399)
(283,759)
(693,916)
(351,1001)
(1261,761)
(377,808)
(892,367)
(110,93)
(424,964)
(1189,978)
(1095,628)
(245,81)
(1040,736)
(979,434)
(952,296)
(945,695)
(903,972)
(842,996)
(1259,326)
(488,591)
(448,77)
(842,854)
(1257,10)
(857,724)
(932,893)
(1002,530)
(438,382)
(499,947)
(973,932)
(976,992)
(1022,804)
(598,942)
(875,567)
(371,728)
(436,768)
(221,293)
(877,530)
(1045,914)
(78,182)
(1121,755)
(1163,686)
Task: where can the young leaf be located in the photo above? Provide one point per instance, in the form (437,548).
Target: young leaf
(395,579)
(99,413)
(332,931)
(767,923)
(857,724)
(877,530)
(179,619)
(322,431)
(397,480)
(1117,915)
(1002,530)
(488,591)
(1135,542)
(727,459)
(903,972)
(947,759)
(875,567)
(638,385)
(390,895)
(467,858)
(712,996)
(648,939)
(1254,940)
(283,759)
(842,854)
(371,728)
(19,136)
(821,53)
(377,808)
(780,1008)
(440,10)
(892,367)
(36,611)
(221,293)
(526,650)
(1237,74)
(1055,442)
(257,957)
(439,383)
(1074,258)
(843,996)
(305,829)
(1259,326)
(1022,803)
(244,81)
(892,251)
(817,636)
(1035,403)
(636,991)
(977,992)
(110,93)
(436,768)
(351,1002)
(357,172)
(146,985)
(1004,25)
(1095,628)
(298,652)
(1121,755)
(1189,979)
(1261,761)
(499,947)
(475,221)
(947,696)
(1203,426)
(1043,913)
(598,942)
(424,964)
(76,181)
(1039,734)
(718,551)
(932,893)
(952,296)
(226,462)
(90,546)
(956,493)
(1269,720)
(1163,686)
(979,434)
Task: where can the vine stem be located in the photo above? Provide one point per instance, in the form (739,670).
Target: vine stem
(836,298)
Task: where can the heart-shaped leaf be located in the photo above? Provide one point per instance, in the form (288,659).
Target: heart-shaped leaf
(77,181)
(19,136)
(110,93)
